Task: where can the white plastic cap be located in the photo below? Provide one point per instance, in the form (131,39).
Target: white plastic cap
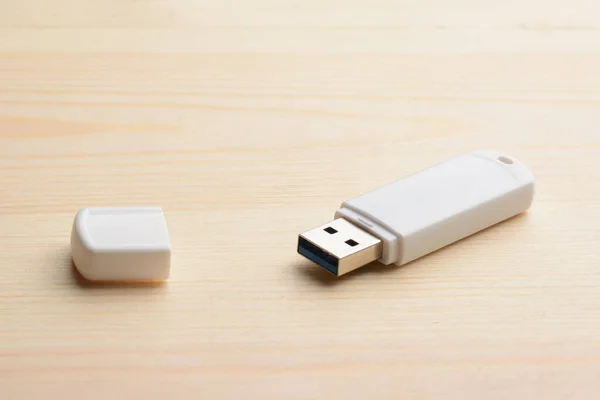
(121,244)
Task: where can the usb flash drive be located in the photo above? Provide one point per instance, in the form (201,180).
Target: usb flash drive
(421,213)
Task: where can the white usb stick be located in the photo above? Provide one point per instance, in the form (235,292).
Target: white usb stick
(421,213)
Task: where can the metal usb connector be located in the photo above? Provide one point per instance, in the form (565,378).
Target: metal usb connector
(340,247)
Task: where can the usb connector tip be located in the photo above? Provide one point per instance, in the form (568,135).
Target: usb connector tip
(340,247)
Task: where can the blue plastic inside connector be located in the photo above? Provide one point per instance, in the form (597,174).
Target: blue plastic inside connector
(317,255)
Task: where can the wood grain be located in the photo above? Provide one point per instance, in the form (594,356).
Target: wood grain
(250,122)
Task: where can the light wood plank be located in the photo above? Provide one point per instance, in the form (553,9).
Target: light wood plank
(250,122)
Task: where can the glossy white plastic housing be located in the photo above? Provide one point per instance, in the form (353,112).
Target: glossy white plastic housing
(121,244)
(433,208)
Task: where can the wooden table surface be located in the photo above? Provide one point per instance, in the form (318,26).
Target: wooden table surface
(250,122)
